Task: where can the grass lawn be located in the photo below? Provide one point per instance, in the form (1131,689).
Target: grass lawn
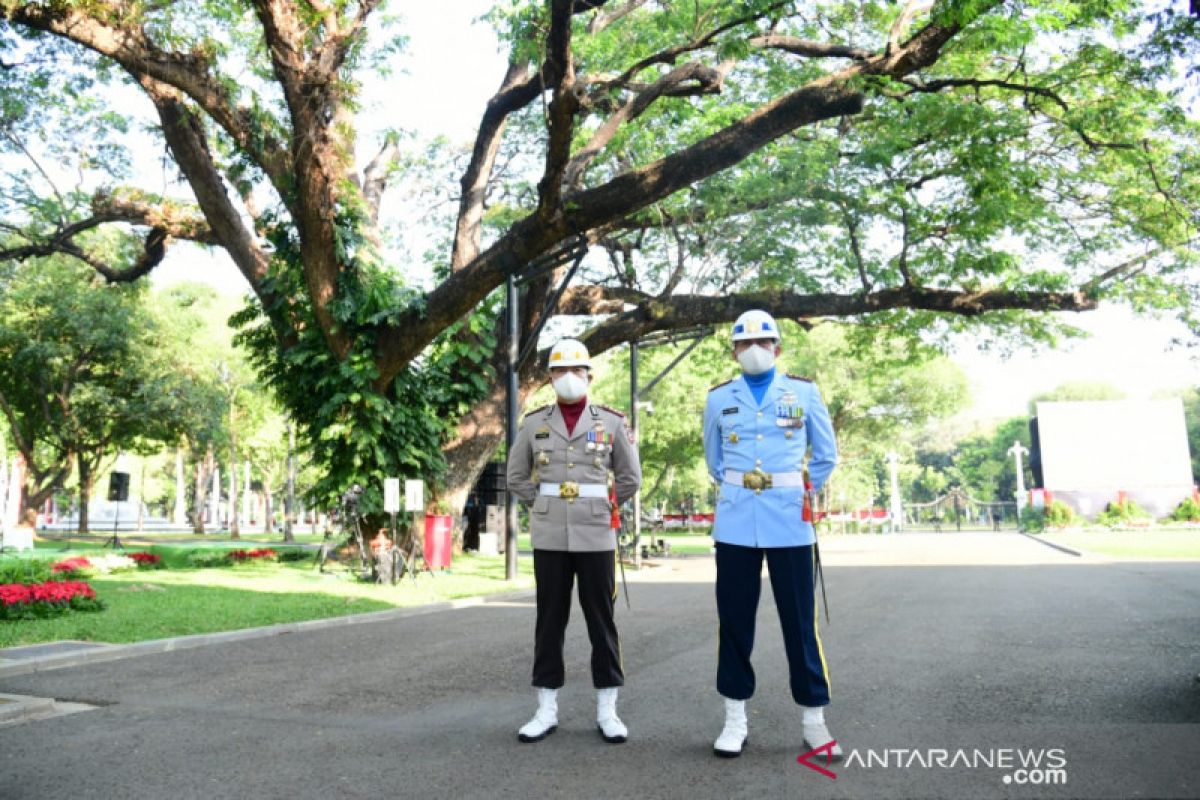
(1181,544)
(178,601)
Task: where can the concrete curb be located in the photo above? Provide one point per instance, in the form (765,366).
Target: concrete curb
(1059,547)
(14,667)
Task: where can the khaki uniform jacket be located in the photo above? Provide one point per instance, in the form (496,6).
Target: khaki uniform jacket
(544,453)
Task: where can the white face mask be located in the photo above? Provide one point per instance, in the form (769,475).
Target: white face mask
(570,387)
(756,360)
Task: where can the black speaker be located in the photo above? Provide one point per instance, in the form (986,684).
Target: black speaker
(1035,454)
(118,487)
(494,477)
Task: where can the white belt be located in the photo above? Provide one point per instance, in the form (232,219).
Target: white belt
(776,478)
(570,490)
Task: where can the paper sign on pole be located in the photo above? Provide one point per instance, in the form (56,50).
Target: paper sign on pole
(414,495)
(391,495)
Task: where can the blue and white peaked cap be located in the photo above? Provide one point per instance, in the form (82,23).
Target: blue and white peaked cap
(569,353)
(755,324)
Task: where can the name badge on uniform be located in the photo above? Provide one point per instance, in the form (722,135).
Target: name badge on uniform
(789,415)
(542,433)
(727,411)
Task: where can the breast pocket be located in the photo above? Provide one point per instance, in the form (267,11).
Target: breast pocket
(733,433)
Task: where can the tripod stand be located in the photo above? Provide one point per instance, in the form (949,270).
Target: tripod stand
(114,541)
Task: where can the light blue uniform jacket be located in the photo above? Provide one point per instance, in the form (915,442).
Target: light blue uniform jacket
(740,434)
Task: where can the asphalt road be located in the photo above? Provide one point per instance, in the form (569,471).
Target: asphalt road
(948,654)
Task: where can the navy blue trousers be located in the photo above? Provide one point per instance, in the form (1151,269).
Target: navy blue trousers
(739,583)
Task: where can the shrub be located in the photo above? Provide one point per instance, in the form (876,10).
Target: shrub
(1033,520)
(1187,511)
(1121,513)
(296,554)
(21,570)
(201,559)
(1059,515)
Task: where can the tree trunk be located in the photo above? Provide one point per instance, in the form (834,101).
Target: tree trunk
(179,515)
(203,470)
(85,491)
(268,510)
(289,507)
(480,434)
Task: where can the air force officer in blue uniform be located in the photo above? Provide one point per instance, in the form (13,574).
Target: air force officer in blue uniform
(757,431)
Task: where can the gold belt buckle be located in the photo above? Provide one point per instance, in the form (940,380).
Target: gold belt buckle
(568,490)
(756,480)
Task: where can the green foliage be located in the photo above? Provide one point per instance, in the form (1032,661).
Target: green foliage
(1059,515)
(1121,513)
(356,432)
(87,368)
(880,390)
(1075,391)
(207,558)
(25,570)
(1187,511)
(1033,520)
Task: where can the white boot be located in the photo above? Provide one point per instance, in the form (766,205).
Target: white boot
(816,734)
(733,736)
(545,721)
(611,727)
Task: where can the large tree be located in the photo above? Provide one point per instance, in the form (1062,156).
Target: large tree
(86,370)
(908,166)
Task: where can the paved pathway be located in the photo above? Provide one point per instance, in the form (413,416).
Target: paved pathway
(947,652)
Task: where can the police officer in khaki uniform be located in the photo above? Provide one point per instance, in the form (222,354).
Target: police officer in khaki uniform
(570,460)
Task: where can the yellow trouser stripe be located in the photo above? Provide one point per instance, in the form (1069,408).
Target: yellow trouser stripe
(817,625)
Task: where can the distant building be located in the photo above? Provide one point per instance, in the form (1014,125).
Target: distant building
(1090,451)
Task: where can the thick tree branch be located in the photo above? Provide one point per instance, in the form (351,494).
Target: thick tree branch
(670,54)
(518,89)
(561,122)
(375,176)
(828,97)
(809,49)
(593,300)
(707,81)
(602,20)
(176,222)
(190,73)
(319,162)
(683,311)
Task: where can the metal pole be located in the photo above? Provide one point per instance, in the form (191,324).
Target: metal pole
(633,424)
(510,517)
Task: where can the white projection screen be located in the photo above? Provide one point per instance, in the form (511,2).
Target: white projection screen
(1091,450)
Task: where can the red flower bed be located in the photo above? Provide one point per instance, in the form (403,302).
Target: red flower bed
(238,556)
(23,600)
(146,559)
(76,564)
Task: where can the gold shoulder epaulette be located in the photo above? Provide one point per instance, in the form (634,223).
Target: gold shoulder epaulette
(536,410)
(610,410)
(719,385)
(800,378)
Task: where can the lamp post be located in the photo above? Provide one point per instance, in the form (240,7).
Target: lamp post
(1016,451)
